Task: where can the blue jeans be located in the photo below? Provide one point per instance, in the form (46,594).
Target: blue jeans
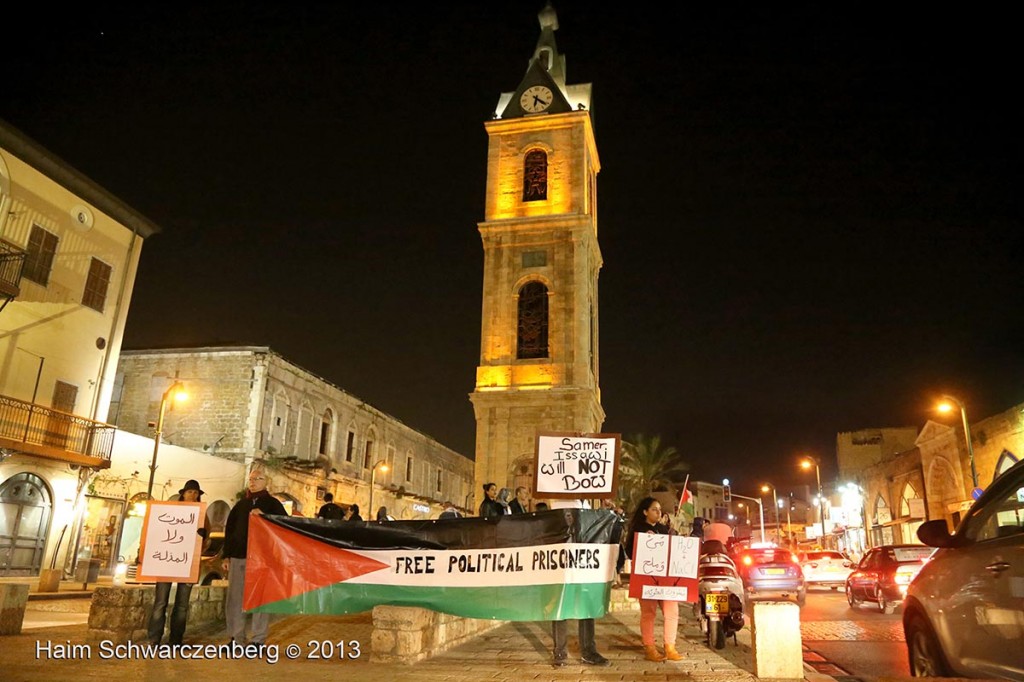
(179,616)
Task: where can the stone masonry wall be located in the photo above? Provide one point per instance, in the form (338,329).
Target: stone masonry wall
(121,614)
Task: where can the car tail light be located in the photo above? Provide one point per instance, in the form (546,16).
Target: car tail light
(904,574)
(747,561)
(795,558)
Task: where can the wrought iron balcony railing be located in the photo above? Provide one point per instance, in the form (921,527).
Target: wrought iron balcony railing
(54,434)
(12,261)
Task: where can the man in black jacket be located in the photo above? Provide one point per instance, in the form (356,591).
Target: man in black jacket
(236,548)
(330,510)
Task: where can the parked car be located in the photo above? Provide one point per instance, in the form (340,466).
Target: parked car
(771,572)
(964,613)
(825,568)
(883,575)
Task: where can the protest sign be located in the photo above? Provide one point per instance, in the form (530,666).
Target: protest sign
(171,546)
(577,466)
(664,567)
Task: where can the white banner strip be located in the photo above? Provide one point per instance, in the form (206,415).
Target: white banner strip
(500,567)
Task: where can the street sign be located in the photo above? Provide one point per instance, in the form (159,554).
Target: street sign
(976,493)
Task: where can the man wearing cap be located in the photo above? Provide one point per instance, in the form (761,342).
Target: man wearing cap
(179,616)
(236,548)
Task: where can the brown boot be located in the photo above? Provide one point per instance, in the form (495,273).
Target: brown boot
(651,653)
(671,654)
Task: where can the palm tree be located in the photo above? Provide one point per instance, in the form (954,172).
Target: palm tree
(647,466)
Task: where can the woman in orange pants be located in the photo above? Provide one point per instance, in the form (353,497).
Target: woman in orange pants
(646,519)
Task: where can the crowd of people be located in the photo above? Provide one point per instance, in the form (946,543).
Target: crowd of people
(648,517)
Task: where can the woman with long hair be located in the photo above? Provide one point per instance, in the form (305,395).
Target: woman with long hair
(647,519)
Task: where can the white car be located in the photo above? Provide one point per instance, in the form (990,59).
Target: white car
(825,568)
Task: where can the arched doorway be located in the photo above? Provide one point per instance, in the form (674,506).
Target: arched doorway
(25,510)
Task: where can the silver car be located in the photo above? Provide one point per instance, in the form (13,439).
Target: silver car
(964,612)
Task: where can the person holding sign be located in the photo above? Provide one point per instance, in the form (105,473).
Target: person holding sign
(647,519)
(179,616)
(236,548)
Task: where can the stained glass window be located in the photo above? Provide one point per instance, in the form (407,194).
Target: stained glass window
(533,321)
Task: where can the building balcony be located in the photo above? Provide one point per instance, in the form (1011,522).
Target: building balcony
(52,434)
(12,260)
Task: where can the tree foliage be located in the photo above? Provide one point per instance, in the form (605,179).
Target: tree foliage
(648,466)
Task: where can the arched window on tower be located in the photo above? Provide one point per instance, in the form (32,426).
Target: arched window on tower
(532,340)
(535,175)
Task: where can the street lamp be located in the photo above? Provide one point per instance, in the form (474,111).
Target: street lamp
(176,393)
(760,510)
(383,465)
(945,406)
(775,497)
(806,463)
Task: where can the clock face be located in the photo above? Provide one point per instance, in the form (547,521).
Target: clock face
(536,99)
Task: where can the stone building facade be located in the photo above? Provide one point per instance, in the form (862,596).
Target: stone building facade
(933,478)
(249,403)
(856,450)
(538,369)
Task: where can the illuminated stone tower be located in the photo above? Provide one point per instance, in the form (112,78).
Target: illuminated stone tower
(539,334)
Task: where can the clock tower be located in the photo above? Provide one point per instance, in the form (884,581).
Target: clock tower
(538,366)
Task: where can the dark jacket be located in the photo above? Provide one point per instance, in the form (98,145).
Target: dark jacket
(516,507)
(236,530)
(331,511)
(491,507)
(644,527)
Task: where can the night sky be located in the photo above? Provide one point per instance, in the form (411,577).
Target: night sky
(810,218)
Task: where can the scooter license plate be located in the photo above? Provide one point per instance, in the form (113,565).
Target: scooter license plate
(716,603)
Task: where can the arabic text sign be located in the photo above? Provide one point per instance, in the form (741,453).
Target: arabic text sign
(171,545)
(576,465)
(664,567)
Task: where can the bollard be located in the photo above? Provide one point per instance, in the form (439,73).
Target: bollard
(776,642)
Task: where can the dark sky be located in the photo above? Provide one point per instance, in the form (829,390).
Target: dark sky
(810,216)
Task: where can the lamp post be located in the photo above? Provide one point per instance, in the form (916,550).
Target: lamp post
(775,498)
(383,464)
(946,407)
(177,392)
(760,510)
(807,463)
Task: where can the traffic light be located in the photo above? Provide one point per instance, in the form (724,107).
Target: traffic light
(726,493)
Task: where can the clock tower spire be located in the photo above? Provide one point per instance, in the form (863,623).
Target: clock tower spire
(539,367)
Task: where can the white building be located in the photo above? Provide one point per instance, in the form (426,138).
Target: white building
(68,257)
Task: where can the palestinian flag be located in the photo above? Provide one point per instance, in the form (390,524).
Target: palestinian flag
(551,565)
(686,499)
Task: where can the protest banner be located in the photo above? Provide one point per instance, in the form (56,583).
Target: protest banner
(664,567)
(171,546)
(527,567)
(576,466)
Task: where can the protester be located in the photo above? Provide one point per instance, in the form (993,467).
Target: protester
(521,504)
(504,496)
(382,515)
(647,519)
(450,512)
(559,628)
(353,513)
(540,506)
(490,506)
(330,510)
(236,548)
(179,616)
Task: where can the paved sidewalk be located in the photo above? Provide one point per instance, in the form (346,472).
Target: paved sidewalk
(517,651)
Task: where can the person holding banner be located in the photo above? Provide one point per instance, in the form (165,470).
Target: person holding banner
(560,628)
(257,501)
(490,506)
(647,519)
(192,492)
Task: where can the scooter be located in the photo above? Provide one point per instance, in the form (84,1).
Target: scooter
(721,598)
